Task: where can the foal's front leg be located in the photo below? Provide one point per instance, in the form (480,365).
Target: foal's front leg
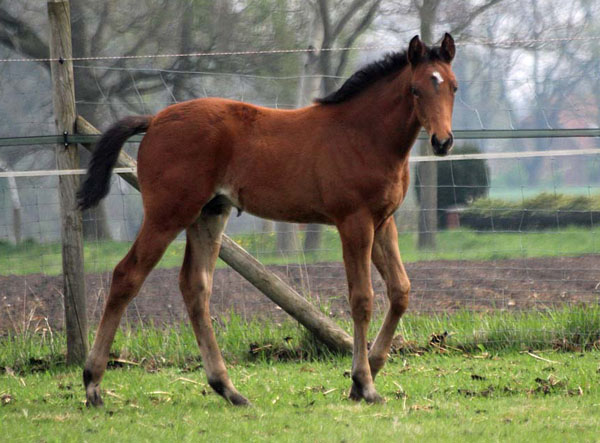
(386,257)
(357,241)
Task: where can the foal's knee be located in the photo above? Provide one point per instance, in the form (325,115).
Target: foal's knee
(361,304)
(398,295)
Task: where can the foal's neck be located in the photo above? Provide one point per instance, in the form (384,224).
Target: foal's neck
(386,110)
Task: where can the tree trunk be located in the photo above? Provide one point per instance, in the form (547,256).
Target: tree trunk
(312,238)
(427,171)
(267,226)
(16,204)
(15,201)
(287,237)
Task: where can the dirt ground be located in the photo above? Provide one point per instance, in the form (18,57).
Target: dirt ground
(437,286)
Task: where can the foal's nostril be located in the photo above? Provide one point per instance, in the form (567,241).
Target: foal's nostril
(447,144)
(441,147)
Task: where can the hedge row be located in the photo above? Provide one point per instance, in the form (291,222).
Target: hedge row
(544,211)
(459,182)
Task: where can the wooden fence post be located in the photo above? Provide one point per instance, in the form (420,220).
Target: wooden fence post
(63,95)
(252,270)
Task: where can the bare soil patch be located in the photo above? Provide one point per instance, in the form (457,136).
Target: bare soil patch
(437,286)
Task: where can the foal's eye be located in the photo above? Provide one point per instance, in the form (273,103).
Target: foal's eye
(455,88)
(414,91)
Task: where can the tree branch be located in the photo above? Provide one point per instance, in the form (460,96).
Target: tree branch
(21,38)
(98,37)
(362,26)
(345,18)
(326,21)
(457,30)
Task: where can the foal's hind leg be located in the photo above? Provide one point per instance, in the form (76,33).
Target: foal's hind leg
(195,281)
(127,279)
(386,257)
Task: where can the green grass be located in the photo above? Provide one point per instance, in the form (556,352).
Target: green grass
(501,376)
(31,257)
(433,397)
(574,328)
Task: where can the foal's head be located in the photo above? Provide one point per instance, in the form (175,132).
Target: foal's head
(433,86)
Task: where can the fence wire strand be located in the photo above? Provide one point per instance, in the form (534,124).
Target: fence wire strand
(478,42)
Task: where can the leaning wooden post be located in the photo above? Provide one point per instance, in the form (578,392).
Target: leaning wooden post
(289,300)
(266,281)
(63,95)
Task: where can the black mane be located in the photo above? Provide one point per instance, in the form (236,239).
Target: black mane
(366,76)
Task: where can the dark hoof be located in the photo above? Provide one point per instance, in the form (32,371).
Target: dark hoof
(374,398)
(93,397)
(367,394)
(238,399)
(354,393)
(228,392)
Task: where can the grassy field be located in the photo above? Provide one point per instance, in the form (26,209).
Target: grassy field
(481,397)
(35,347)
(500,377)
(31,257)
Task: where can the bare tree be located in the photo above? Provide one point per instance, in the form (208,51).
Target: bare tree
(427,171)
(106,89)
(340,24)
(15,201)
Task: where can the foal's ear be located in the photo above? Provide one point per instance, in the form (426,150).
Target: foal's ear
(416,50)
(448,48)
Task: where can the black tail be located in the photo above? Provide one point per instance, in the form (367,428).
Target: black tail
(97,183)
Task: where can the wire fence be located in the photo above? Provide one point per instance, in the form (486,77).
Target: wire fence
(480,263)
(509,43)
(524,236)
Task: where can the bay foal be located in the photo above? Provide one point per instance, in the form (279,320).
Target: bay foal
(341,161)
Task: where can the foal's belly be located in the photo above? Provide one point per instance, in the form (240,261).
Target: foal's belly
(292,216)
(301,201)
(275,205)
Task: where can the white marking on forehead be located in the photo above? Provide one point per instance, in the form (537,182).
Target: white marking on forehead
(437,76)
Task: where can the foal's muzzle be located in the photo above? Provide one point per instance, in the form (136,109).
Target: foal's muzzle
(442,147)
